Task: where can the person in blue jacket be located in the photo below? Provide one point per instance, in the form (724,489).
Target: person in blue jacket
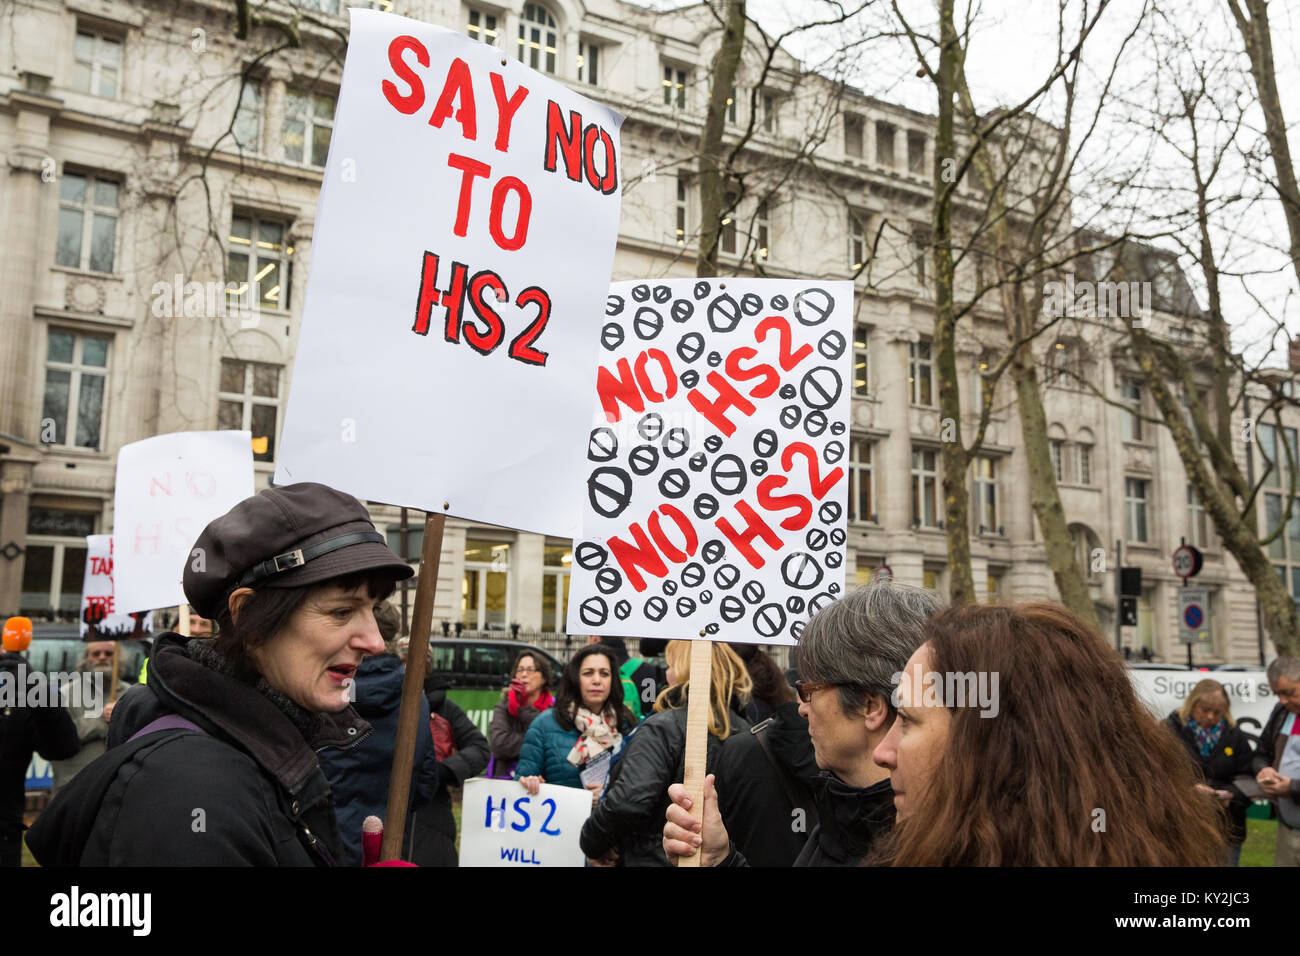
(584,729)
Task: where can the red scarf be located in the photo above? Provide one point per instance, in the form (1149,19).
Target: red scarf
(543,701)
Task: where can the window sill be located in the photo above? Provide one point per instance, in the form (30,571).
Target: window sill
(1143,546)
(75,451)
(87,273)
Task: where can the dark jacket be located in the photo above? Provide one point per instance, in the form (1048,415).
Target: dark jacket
(360,776)
(630,815)
(48,731)
(247,791)
(546,751)
(754,796)
(506,734)
(1270,741)
(432,838)
(1231,757)
(850,820)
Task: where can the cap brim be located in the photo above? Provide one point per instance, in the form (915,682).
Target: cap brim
(368,556)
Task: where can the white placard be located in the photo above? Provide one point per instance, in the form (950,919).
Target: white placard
(1163,691)
(98,604)
(716,465)
(167,490)
(454,171)
(501,825)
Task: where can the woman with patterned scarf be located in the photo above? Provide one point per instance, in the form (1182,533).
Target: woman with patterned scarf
(1222,751)
(578,736)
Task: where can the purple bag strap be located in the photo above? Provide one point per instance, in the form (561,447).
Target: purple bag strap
(169,722)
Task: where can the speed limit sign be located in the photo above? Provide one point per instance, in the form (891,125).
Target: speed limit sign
(1187,561)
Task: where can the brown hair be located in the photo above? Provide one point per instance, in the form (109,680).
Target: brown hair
(541,663)
(729,681)
(1070,738)
(770,685)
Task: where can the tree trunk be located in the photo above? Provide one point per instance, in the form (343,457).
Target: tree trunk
(712,174)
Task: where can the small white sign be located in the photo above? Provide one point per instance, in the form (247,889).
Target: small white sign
(1193,615)
(501,824)
(167,490)
(99,612)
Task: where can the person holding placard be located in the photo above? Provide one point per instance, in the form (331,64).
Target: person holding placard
(528,695)
(573,743)
(625,826)
(221,742)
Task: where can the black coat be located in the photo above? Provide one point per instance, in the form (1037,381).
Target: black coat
(754,797)
(1231,757)
(247,791)
(1267,754)
(630,815)
(431,840)
(48,731)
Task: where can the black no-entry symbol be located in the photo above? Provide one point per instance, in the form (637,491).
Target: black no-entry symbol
(682,310)
(662,294)
(670,587)
(815,423)
(780,303)
(837,536)
(690,347)
(706,506)
(676,441)
(609,490)
(731,608)
(794,604)
(706,597)
(758,467)
(602,445)
(837,428)
(611,336)
(651,426)
(726,576)
(787,392)
(728,475)
(655,608)
(714,359)
(820,387)
(697,462)
(832,344)
(833,587)
(801,571)
(834,559)
(614,305)
(812,306)
(690,378)
(834,451)
(693,575)
(641,293)
(590,555)
(751,304)
(819,603)
(769,620)
(713,551)
(593,612)
(753,592)
(685,606)
(713,444)
(816,539)
(702,289)
(790,415)
(723,314)
(608,580)
(796,629)
(830,512)
(765,443)
(622,609)
(674,483)
(711,628)
(648,323)
(643,459)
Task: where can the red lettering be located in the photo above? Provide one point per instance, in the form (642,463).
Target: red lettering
(610,181)
(773,502)
(193,480)
(787,358)
(156,485)
(631,558)
(716,411)
(818,484)
(643,378)
(568,140)
(621,389)
(674,554)
(409,102)
(589,137)
(755,526)
(521,346)
(488,340)
(470,168)
(431,296)
(510,184)
(141,536)
(458,85)
(771,378)
(101,565)
(506,109)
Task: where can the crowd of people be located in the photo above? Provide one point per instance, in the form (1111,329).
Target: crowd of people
(267,737)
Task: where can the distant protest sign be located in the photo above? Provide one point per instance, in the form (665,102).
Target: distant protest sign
(100,619)
(463,244)
(167,489)
(502,825)
(716,483)
(1164,691)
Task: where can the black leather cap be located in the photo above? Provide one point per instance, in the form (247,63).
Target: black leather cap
(284,538)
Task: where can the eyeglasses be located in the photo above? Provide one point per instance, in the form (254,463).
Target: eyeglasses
(805,688)
(526,670)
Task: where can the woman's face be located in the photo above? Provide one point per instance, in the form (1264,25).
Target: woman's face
(594,679)
(313,660)
(915,743)
(528,672)
(1209,710)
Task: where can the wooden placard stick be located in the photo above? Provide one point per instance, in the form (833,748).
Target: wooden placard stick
(408,718)
(697,732)
(112,681)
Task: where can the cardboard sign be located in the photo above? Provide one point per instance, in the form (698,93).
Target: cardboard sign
(716,469)
(464,239)
(167,490)
(502,825)
(100,618)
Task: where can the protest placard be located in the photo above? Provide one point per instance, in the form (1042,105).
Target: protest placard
(464,239)
(715,487)
(166,491)
(502,825)
(100,619)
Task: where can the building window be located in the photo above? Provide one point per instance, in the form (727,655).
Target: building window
(54,563)
(768,102)
(683,210)
(537,38)
(1198,524)
(482,26)
(916,153)
(861,360)
(1083,458)
(87,236)
(1058,460)
(1131,424)
(97,65)
(986,495)
(925,487)
(761,224)
(1273,512)
(861,497)
(588,63)
(1135,509)
(884,144)
(485,588)
(853,127)
(557,560)
(979,377)
(250,401)
(994,589)
(674,87)
(921,372)
(857,240)
(308,124)
(930,579)
(248,117)
(257,269)
(76,370)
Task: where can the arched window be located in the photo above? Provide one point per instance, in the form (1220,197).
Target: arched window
(538,44)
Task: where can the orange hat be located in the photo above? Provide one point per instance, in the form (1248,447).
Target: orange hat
(18,634)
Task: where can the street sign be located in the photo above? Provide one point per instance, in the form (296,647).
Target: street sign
(1187,561)
(1193,616)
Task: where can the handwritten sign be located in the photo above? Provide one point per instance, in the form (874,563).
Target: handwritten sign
(502,825)
(464,238)
(168,488)
(716,481)
(100,619)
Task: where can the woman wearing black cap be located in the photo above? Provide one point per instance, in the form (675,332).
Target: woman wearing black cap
(215,757)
